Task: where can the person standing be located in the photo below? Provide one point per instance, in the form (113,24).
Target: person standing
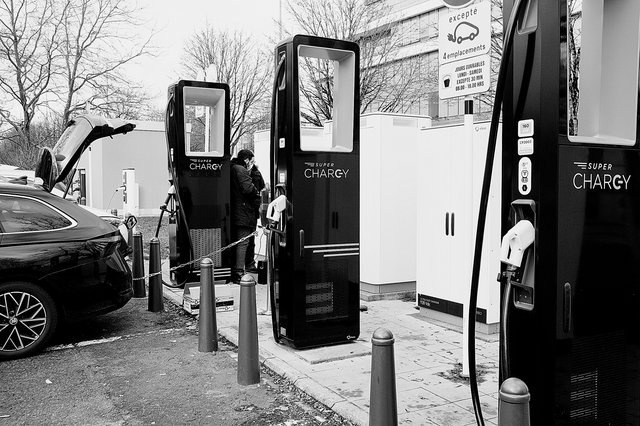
(243,199)
(258,182)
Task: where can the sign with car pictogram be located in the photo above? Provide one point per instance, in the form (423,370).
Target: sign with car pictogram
(464,37)
(464,33)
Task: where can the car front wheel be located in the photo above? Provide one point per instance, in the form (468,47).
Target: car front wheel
(28,319)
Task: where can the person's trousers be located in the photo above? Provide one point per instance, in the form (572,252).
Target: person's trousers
(241,249)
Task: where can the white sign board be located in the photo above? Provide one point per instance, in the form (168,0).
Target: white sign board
(466,77)
(464,33)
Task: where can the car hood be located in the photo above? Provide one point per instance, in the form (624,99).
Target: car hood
(56,163)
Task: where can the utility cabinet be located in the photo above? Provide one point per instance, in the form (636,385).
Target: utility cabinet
(389,171)
(450,162)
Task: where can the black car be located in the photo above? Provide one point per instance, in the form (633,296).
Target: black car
(58,261)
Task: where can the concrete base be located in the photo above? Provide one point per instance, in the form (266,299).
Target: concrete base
(456,322)
(387,291)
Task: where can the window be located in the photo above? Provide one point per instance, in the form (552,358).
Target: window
(334,71)
(23,214)
(602,71)
(410,33)
(204,110)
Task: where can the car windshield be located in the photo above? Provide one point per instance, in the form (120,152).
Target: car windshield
(70,141)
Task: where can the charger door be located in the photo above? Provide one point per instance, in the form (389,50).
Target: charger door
(315,163)
(571,165)
(198,146)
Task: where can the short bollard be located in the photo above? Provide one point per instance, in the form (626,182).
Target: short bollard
(155,281)
(208,327)
(139,289)
(248,358)
(513,403)
(383,409)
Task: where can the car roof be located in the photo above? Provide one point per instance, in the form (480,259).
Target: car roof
(18,185)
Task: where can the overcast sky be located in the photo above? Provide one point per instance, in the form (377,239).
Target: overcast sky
(176,20)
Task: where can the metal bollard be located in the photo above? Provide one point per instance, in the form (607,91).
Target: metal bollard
(248,358)
(513,403)
(156,303)
(208,327)
(383,409)
(139,289)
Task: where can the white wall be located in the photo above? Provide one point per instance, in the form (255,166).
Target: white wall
(389,175)
(145,150)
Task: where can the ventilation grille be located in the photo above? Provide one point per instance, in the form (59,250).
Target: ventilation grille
(598,389)
(206,241)
(319,300)
(326,300)
(584,396)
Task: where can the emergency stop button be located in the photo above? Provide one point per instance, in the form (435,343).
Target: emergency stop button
(524,175)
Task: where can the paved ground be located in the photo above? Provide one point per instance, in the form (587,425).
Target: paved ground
(135,367)
(430,390)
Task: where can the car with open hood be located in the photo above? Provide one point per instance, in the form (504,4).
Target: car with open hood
(58,261)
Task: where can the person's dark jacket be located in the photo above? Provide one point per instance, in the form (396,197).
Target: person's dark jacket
(258,182)
(243,196)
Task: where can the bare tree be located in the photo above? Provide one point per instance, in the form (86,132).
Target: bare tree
(232,58)
(384,79)
(574,16)
(43,133)
(96,45)
(28,50)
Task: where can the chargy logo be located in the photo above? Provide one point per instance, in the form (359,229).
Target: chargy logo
(594,176)
(324,171)
(204,164)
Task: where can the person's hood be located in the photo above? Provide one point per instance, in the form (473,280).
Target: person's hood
(56,163)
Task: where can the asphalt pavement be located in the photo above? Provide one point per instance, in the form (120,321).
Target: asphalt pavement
(135,367)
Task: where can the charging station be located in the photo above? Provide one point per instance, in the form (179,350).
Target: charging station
(314,249)
(198,136)
(571,211)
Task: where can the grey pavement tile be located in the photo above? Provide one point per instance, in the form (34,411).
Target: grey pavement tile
(352,412)
(349,384)
(438,383)
(487,363)
(489,384)
(418,418)
(431,360)
(450,415)
(419,399)
(488,403)
(453,355)
(350,390)
(403,384)
(407,363)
